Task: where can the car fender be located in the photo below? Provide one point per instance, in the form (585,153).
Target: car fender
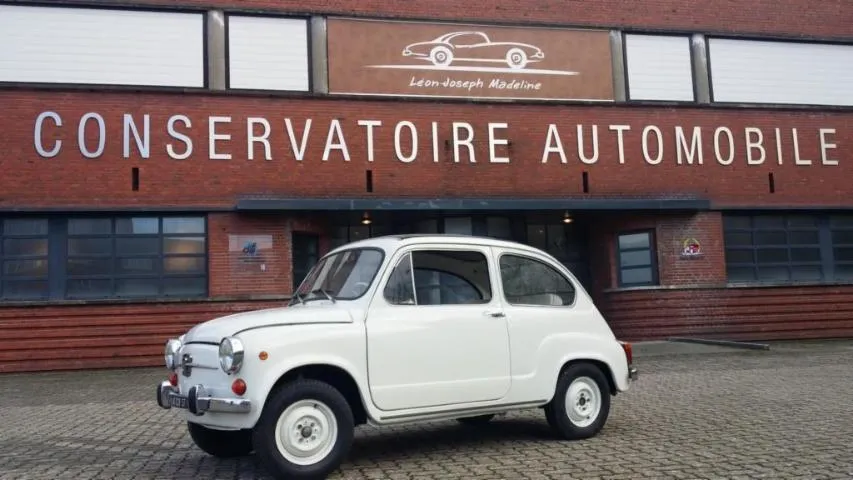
(339,345)
(558,350)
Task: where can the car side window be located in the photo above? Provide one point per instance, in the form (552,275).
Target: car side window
(527,281)
(440,277)
(400,289)
(451,277)
(435,287)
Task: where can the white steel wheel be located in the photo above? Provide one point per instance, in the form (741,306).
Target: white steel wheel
(306,432)
(583,402)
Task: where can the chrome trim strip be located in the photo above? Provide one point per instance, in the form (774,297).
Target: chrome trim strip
(224,405)
(200,402)
(461,412)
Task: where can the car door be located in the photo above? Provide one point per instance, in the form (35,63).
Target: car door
(539,301)
(435,331)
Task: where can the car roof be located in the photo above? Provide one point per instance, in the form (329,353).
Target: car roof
(392,242)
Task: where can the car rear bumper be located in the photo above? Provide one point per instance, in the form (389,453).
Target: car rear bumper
(197,401)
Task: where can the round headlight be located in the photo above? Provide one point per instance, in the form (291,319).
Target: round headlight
(230,355)
(173,346)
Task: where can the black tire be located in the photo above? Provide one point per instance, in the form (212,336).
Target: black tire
(221,443)
(557,414)
(264,436)
(478,420)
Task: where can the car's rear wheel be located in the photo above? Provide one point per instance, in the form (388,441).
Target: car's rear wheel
(221,443)
(305,430)
(581,402)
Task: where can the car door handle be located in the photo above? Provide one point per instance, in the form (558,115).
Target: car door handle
(495,313)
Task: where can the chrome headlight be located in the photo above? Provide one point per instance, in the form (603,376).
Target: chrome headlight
(230,355)
(173,347)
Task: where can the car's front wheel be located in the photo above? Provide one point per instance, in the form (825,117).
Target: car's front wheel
(581,402)
(305,430)
(221,443)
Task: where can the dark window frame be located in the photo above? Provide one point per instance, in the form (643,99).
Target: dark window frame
(653,264)
(58,256)
(833,247)
(5,257)
(824,228)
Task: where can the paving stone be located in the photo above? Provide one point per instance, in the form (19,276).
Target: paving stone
(718,414)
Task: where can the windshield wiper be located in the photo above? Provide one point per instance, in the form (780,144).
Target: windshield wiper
(298,297)
(324,292)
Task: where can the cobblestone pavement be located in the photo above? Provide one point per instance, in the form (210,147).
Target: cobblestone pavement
(783,413)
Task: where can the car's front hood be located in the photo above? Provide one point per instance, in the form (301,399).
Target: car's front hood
(213,331)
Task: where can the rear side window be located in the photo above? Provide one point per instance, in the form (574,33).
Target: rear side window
(527,281)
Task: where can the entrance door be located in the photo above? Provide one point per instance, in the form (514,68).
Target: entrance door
(305,253)
(435,333)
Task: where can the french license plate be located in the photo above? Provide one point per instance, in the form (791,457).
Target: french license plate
(178,401)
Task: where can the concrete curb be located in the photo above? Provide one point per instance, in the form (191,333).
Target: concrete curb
(689,347)
(724,343)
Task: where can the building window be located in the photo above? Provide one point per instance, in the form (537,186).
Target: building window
(24,259)
(136,257)
(97,257)
(775,248)
(788,248)
(636,259)
(841,233)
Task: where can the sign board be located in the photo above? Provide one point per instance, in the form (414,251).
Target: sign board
(395,58)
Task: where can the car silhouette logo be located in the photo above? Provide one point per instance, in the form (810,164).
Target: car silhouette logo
(473,46)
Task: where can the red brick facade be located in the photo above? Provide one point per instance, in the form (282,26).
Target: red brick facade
(550,153)
(217,183)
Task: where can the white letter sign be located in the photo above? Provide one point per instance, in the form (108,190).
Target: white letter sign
(81,135)
(37,135)
(397,144)
(494,141)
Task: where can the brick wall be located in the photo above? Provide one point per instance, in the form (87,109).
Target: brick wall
(829,18)
(233,273)
(79,181)
(693,299)
(101,336)
(747,314)
(670,231)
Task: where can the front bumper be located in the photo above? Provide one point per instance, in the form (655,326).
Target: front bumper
(197,401)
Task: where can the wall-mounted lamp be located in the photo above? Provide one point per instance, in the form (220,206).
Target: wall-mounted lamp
(365,219)
(567,218)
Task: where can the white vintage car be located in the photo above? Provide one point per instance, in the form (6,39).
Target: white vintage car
(392,330)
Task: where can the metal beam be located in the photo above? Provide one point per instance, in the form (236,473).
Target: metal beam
(472,204)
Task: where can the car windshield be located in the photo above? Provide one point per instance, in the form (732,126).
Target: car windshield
(345,275)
